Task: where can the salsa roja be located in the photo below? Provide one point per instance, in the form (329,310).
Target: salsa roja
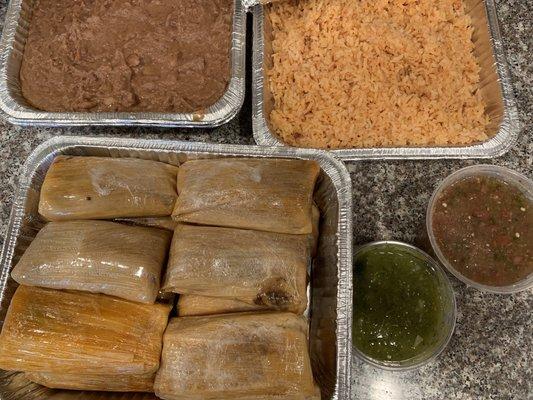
(484,228)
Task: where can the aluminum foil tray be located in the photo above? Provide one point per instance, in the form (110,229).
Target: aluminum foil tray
(19,112)
(495,86)
(331,278)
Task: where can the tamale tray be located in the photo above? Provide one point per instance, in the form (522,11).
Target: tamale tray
(331,275)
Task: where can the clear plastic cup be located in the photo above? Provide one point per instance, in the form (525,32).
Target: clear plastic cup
(449,310)
(511,177)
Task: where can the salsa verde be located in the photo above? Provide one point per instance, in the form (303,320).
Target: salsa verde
(399,303)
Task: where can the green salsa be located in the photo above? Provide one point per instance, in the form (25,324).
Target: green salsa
(399,303)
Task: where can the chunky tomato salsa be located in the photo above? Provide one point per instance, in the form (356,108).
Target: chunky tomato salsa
(484,228)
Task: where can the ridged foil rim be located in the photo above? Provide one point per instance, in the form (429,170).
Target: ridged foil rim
(334,168)
(221,112)
(496,146)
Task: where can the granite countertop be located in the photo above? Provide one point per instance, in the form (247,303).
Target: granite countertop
(490,354)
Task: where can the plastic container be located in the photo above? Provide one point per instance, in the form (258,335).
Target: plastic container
(449,309)
(509,176)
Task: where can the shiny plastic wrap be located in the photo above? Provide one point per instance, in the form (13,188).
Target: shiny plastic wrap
(330,286)
(156,222)
(192,305)
(273,195)
(96,256)
(103,187)
(105,382)
(236,356)
(262,268)
(63,332)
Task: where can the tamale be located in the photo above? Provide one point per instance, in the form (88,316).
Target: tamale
(190,305)
(262,268)
(155,222)
(313,237)
(272,195)
(96,256)
(66,332)
(105,188)
(106,382)
(236,356)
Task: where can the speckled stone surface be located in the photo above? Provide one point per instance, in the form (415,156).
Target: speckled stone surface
(490,355)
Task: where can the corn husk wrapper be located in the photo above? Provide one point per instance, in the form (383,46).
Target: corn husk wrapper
(96,256)
(55,331)
(106,188)
(272,195)
(236,356)
(259,268)
(106,382)
(155,222)
(191,305)
(313,237)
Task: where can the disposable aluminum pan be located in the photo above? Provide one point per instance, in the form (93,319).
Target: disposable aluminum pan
(331,278)
(19,112)
(495,86)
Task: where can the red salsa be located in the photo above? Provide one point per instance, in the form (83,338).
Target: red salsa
(484,228)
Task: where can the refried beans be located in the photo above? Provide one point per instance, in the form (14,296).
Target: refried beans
(127,55)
